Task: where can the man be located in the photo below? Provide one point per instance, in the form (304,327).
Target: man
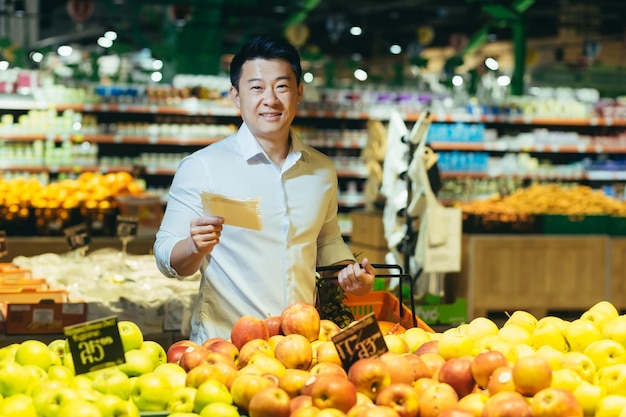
(247,271)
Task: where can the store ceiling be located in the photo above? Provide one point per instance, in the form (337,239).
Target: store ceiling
(384,22)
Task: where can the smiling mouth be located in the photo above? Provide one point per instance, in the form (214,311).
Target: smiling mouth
(271,114)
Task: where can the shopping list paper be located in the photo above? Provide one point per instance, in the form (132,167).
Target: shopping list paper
(242,213)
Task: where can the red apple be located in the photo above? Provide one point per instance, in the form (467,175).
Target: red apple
(369,376)
(332,391)
(300,401)
(211,340)
(376,411)
(328,368)
(399,367)
(251,348)
(245,386)
(555,402)
(293,380)
(228,372)
(294,351)
(328,329)
(531,374)
(177,348)
(192,357)
(457,372)
(327,352)
(432,346)
(418,366)
(248,328)
(301,318)
(506,404)
(421,384)
(436,399)
(269,402)
(215,357)
(401,397)
(203,372)
(306,411)
(226,348)
(433,362)
(273,325)
(501,380)
(484,363)
(456,412)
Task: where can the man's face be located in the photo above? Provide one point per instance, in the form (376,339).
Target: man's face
(267,97)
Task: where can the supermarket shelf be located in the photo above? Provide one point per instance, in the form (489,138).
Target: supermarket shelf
(505,147)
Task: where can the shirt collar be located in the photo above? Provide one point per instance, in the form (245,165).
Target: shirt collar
(250,147)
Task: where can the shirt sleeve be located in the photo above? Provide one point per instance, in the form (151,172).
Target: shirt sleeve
(331,248)
(183,204)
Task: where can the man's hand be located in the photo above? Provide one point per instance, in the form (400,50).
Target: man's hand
(205,233)
(357,279)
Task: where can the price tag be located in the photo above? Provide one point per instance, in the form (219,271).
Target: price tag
(4,249)
(95,344)
(77,236)
(126,227)
(362,339)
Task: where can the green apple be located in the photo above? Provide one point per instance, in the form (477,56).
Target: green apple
(605,352)
(612,378)
(112,381)
(174,373)
(138,362)
(36,375)
(580,363)
(455,343)
(524,319)
(47,402)
(182,400)
(211,391)
(14,378)
(580,333)
(59,347)
(34,352)
(18,405)
(68,361)
(219,410)
(131,335)
(60,372)
(8,352)
(50,384)
(113,406)
(155,351)
(79,407)
(588,396)
(615,329)
(151,392)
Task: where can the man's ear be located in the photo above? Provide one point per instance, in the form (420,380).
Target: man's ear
(234,96)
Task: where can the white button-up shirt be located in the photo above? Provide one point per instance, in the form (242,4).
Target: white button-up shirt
(252,272)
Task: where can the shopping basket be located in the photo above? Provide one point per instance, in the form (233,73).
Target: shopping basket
(385,305)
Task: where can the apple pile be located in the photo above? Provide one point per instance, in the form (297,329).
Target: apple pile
(287,365)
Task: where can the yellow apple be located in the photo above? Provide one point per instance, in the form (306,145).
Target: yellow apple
(615,329)
(612,379)
(566,379)
(600,313)
(578,362)
(396,343)
(524,319)
(491,343)
(580,333)
(518,351)
(611,405)
(605,352)
(415,337)
(514,334)
(552,354)
(549,332)
(268,364)
(455,343)
(589,396)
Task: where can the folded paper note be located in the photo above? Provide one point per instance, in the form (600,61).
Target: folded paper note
(242,213)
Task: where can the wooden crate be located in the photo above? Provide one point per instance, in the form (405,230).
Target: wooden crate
(618,273)
(537,273)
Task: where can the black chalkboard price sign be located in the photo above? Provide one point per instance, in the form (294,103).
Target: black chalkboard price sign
(362,339)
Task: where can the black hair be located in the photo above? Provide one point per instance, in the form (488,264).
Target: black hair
(266,46)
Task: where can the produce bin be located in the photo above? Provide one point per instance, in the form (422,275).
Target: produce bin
(557,224)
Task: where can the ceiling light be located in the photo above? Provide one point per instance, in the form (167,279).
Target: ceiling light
(395,49)
(65,50)
(308,77)
(156,77)
(4,65)
(457,81)
(503,80)
(360,74)
(356,31)
(157,64)
(36,56)
(104,42)
(110,34)
(492,64)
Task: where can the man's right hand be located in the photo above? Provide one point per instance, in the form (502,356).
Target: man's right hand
(205,233)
